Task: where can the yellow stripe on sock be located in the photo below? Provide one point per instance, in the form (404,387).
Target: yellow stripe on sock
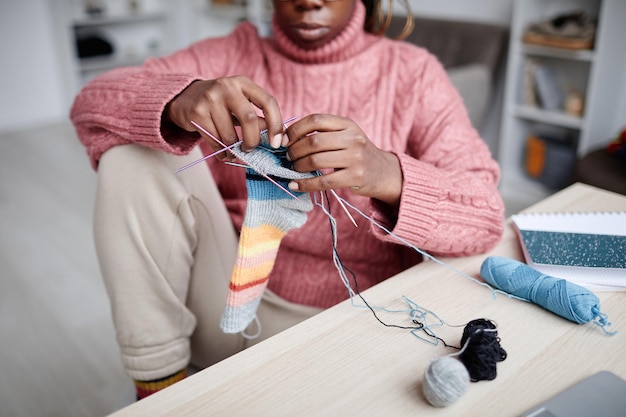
(261,234)
(154,386)
(257,250)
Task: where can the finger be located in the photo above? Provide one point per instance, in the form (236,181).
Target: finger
(334,159)
(316,143)
(246,109)
(225,126)
(273,119)
(249,123)
(313,123)
(330,181)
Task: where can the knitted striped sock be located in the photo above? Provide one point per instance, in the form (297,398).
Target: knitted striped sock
(146,388)
(270,214)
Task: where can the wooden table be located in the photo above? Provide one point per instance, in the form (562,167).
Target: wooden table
(344,362)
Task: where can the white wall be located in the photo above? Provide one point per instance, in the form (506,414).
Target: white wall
(621,114)
(30,78)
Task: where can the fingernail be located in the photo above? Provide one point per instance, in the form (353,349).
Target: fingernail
(294,186)
(285,140)
(276,141)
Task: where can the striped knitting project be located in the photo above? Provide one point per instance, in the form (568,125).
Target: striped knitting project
(270,214)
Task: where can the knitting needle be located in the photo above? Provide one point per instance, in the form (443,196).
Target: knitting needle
(209,134)
(339,200)
(252,166)
(291,119)
(248,166)
(267,177)
(204,158)
(344,207)
(234,164)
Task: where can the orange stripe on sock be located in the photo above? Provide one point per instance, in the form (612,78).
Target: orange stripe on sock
(243,286)
(245,295)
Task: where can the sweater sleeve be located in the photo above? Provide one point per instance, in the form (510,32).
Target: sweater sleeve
(450,204)
(126,105)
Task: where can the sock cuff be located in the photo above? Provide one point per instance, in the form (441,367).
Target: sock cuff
(146,388)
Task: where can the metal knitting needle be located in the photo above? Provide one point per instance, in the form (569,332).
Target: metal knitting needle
(234,164)
(339,199)
(204,158)
(251,166)
(209,134)
(291,119)
(267,177)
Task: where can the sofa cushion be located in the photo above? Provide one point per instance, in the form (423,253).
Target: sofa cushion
(456,43)
(474,83)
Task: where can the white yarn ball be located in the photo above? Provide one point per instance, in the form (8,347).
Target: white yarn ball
(446,379)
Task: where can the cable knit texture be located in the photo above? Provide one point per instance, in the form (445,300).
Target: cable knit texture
(398,94)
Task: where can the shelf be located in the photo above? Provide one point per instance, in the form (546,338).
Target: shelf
(556,118)
(550,52)
(105,20)
(597,74)
(110,62)
(155,28)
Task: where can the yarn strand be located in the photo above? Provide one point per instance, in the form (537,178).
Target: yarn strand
(342,269)
(494,291)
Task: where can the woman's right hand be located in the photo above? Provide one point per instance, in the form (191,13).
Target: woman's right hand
(221,104)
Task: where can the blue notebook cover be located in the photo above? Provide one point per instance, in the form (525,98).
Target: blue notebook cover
(586,248)
(575,249)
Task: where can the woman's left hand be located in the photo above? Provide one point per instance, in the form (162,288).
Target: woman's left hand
(338,147)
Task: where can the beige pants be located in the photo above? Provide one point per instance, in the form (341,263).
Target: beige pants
(166,248)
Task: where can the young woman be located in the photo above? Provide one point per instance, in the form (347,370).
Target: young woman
(378,117)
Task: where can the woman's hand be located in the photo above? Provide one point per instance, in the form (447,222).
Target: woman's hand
(221,104)
(339,148)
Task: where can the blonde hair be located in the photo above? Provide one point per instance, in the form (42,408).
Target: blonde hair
(377,21)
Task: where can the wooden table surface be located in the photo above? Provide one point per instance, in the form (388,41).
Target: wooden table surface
(344,362)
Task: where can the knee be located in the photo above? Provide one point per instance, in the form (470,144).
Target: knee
(128,164)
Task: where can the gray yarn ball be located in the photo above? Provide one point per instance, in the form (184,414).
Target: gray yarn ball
(446,379)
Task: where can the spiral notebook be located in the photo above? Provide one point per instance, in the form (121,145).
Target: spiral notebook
(586,248)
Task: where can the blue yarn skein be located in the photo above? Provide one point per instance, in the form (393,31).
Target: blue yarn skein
(559,296)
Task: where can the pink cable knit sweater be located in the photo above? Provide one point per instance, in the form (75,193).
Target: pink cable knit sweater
(398,94)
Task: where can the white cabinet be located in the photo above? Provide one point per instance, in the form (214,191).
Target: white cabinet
(134,30)
(138,29)
(206,18)
(599,74)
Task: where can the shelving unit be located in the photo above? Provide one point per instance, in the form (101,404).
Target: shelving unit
(217,18)
(598,74)
(152,28)
(135,37)
(135,33)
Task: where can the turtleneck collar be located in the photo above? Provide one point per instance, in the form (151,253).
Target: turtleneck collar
(348,43)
